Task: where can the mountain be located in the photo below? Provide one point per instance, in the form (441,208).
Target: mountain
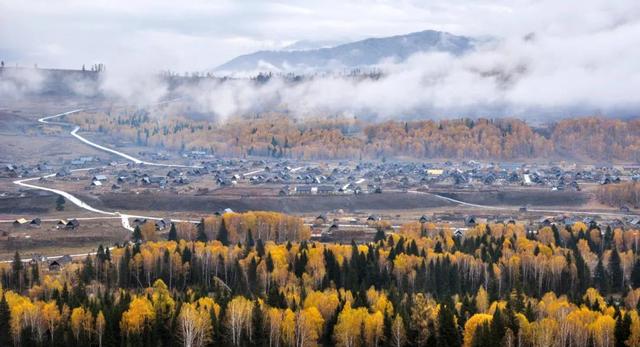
(351,55)
(306,45)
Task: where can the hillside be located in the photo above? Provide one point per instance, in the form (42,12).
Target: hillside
(351,55)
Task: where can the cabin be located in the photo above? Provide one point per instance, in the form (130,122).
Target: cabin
(57,264)
(35,223)
(61,223)
(303,190)
(72,224)
(470,221)
(321,219)
(326,190)
(373,218)
(20,222)
(100,178)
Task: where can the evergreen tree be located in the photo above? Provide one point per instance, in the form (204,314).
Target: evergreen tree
(173,233)
(249,243)
(622,329)
(601,278)
(223,233)
(202,236)
(17,267)
(136,237)
(252,276)
(615,271)
(448,335)
(379,235)
(260,248)
(498,326)
(258,332)
(5,324)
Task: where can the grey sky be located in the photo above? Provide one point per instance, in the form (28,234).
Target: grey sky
(200,34)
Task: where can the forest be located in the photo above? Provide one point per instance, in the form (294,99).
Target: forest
(276,135)
(497,285)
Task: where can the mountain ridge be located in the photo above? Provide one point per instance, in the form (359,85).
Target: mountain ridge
(367,52)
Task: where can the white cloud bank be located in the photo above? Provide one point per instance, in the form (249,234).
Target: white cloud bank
(583,58)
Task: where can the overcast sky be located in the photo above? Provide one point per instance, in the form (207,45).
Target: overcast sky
(201,34)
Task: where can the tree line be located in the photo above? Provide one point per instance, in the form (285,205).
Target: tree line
(573,285)
(278,135)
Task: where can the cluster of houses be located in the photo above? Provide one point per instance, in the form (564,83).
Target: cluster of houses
(71,224)
(24,170)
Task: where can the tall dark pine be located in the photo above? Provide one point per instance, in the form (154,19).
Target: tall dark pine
(5,327)
(615,271)
(379,235)
(137,235)
(447,330)
(258,338)
(601,278)
(202,236)
(622,330)
(17,268)
(249,243)
(223,233)
(173,233)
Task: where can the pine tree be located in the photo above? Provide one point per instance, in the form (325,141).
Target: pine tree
(622,329)
(173,233)
(202,236)
(223,233)
(258,332)
(379,235)
(17,267)
(5,325)
(615,271)
(260,248)
(601,278)
(498,327)
(252,276)
(136,237)
(447,330)
(249,243)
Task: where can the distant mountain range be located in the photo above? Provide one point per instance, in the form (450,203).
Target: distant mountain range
(362,53)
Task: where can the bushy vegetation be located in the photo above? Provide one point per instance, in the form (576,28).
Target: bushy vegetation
(620,194)
(499,285)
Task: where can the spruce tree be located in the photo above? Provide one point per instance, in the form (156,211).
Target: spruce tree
(202,236)
(260,248)
(223,233)
(447,330)
(173,233)
(136,237)
(379,235)
(601,278)
(5,325)
(249,243)
(615,271)
(622,329)
(258,332)
(17,267)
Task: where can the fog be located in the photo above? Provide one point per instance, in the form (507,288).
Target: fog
(546,60)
